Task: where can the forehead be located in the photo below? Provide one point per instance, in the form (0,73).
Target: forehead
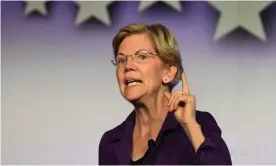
(135,42)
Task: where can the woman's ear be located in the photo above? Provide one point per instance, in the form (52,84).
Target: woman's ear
(169,74)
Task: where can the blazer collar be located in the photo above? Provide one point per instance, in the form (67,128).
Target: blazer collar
(123,148)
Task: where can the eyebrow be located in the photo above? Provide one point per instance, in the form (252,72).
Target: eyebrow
(121,54)
(143,49)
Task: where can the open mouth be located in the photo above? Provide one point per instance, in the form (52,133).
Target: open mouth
(132,82)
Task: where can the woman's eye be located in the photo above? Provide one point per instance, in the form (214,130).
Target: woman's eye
(143,56)
(121,60)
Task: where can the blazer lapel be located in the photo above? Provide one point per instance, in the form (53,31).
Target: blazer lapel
(123,148)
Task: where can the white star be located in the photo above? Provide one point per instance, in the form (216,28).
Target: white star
(236,14)
(97,9)
(174,4)
(32,6)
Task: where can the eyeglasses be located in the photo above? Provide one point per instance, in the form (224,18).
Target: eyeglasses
(139,56)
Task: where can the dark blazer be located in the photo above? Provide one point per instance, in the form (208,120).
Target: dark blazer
(173,146)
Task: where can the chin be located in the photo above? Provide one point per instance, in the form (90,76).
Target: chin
(133,93)
(132,97)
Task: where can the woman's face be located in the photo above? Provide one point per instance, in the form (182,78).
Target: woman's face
(147,74)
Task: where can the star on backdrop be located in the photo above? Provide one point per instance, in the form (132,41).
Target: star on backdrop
(89,9)
(33,6)
(174,4)
(236,14)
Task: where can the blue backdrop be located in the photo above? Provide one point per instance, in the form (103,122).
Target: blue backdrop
(57,77)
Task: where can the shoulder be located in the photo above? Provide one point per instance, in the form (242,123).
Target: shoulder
(204,116)
(107,142)
(207,122)
(114,135)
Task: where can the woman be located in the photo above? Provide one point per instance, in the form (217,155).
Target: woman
(164,127)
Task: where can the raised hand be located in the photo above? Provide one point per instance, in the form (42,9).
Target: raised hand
(182,103)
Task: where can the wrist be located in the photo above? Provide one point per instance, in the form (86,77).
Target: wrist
(191,124)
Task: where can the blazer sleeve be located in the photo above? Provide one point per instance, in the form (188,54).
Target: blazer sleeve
(213,151)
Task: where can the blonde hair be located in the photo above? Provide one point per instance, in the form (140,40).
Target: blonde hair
(163,41)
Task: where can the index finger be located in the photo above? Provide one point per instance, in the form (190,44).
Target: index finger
(185,85)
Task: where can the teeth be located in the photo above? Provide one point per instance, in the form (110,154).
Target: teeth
(133,83)
(129,81)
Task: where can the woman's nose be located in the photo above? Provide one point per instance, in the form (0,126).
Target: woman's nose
(129,65)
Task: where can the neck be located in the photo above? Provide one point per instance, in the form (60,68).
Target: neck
(151,114)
